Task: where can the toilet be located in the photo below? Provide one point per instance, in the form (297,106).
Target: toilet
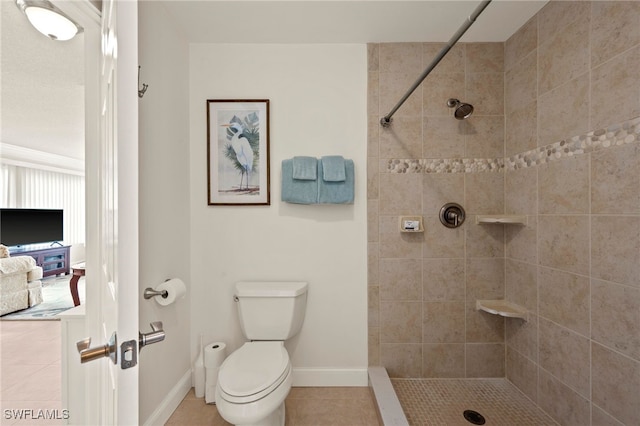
(254,381)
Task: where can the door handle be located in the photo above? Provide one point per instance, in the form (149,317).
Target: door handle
(110,350)
(156,335)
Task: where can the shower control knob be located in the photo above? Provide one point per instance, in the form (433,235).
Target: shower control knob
(452,215)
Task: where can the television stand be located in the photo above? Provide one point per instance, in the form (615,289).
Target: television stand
(53,261)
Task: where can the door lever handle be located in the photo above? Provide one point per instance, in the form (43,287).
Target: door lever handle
(105,351)
(156,335)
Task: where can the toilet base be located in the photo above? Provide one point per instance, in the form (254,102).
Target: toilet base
(274,419)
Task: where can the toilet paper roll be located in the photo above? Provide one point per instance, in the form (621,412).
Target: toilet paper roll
(175,290)
(214,355)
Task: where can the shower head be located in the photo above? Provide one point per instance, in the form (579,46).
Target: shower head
(462,110)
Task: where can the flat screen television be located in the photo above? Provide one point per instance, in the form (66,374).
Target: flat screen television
(19,227)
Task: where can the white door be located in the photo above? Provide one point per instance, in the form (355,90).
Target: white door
(112,266)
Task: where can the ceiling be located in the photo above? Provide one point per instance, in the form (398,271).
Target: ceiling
(42,93)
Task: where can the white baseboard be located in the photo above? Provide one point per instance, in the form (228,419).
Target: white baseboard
(324,377)
(169,404)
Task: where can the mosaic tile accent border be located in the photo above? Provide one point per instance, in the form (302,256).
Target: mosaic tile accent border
(615,135)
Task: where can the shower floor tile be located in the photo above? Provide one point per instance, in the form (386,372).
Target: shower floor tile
(442,401)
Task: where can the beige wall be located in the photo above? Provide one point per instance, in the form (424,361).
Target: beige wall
(573,75)
(570,163)
(317,99)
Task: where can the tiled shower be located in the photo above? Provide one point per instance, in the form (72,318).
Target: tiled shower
(554,137)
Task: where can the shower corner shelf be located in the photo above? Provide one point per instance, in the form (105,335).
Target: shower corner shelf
(503,308)
(502,218)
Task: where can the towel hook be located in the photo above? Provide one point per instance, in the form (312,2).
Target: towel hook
(144,86)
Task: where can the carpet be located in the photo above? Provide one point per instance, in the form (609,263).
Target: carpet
(56,298)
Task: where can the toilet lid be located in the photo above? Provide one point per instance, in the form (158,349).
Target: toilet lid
(253,368)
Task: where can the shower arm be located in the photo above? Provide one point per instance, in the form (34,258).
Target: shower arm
(386,120)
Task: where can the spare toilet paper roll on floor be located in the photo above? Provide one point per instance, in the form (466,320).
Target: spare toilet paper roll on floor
(214,355)
(175,290)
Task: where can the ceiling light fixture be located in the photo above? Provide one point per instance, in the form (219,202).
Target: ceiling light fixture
(48,19)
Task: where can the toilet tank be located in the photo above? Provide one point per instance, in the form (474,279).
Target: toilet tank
(271,310)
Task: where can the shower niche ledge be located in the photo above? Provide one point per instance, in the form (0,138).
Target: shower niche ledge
(502,218)
(503,308)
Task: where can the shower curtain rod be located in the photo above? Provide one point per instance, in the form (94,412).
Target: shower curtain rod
(386,120)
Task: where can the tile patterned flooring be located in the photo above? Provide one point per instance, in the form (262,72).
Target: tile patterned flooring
(30,372)
(442,401)
(325,406)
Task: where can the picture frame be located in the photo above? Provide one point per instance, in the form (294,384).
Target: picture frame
(238,169)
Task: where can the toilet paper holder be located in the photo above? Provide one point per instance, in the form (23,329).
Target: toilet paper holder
(150,292)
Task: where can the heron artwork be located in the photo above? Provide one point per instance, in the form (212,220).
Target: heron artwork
(241,149)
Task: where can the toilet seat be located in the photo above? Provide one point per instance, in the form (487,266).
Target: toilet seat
(253,371)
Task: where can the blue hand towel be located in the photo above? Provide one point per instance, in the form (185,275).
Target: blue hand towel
(297,191)
(337,192)
(305,168)
(333,168)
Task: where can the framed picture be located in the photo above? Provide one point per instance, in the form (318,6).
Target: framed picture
(238,152)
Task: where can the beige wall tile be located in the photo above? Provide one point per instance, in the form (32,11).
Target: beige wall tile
(484,136)
(521,43)
(615,183)
(443,279)
(373,134)
(600,417)
(523,373)
(564,56)
(402,360)
(443,322)
(561,402)
(372,264)
(400,322)
(453,62)
(398,193)
(373,57)
(564,299)
(485,360)
(443,360)
(484,193)
(522,336)
(485,279)
(521,284)
(440,189)
(615,28)
(615,90)
(403,139)
(563,186)
(400,57)
(401,279)
(485,57)
(615,249)
(438,88)
(563,111)
(521,191)
(396,244)
(484,241)
(443,137)
(521,241)
(557,15)
(440,241)
(373,302)
(374,346)
(373,90)
(615,315)
(485,91)
(521,128)
(563,243)
(392,86)
(373,179)
(483,327)
(520,84)
(565,354)
(372,221)
(616,384)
